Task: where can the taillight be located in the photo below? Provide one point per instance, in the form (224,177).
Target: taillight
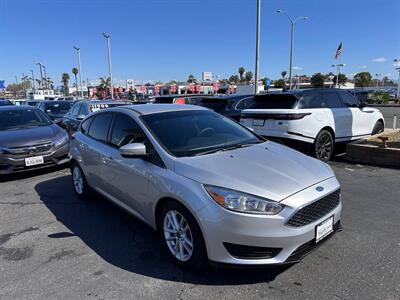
(180,101)
(275,116)
(291,116)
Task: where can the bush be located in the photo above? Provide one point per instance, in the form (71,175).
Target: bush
(379,97)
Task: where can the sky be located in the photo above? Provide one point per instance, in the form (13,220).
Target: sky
(170,39)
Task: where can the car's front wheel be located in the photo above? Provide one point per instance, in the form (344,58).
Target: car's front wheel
(378,128)
(79,181)
(181,236)
(323,146)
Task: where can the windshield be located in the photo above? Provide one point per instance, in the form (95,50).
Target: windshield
(57,107)
(274,101)
(189,133)
(5,102)
(19,119)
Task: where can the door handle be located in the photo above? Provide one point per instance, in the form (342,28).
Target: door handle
(109,157)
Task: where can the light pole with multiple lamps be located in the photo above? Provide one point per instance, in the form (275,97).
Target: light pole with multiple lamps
(78,53)
(337,66)
(107,36)
(293,23)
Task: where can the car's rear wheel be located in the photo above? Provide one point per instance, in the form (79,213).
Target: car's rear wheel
(323,146)
(79,181)
(181,236)
(378,128)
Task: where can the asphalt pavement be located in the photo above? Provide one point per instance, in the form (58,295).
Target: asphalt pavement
(388,113)
(53,246)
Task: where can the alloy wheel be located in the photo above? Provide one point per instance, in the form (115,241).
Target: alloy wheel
(77,180)
(178,235)
(324,147)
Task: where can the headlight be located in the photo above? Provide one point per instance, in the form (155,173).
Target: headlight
(61,141)
(242,202)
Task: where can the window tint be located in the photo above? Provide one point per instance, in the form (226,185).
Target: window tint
(331,100)
(274,101)
(99,127)
(126,131)
(75,109)
(244,103)
(85,125)
(349,100)
(310,100)
(83,110)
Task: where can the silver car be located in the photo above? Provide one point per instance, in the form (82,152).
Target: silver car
(212,188)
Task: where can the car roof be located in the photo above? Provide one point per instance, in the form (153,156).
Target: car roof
(101,102)
(16,107)
(147,109)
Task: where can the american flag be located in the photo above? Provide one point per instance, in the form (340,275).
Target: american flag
(338,51)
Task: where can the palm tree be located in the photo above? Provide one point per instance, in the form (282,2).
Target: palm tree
(241,72)
(248,76)
(283,73)
(75,71)
(105,83)
(64,80)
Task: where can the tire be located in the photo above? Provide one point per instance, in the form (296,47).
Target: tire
(185,256)
(324,146)
(79,182)
(378,128)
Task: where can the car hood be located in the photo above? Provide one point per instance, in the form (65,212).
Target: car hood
(267,170)
(30,136)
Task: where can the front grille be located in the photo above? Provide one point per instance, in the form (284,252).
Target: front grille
(315,210)
(30,150)
(308,247)
(251,252)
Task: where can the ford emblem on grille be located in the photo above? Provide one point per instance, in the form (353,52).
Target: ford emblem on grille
(319,188)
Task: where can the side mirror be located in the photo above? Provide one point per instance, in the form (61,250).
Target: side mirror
(80,117)
(363,104)
(134,150)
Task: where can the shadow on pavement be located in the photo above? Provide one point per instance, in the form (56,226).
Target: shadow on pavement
(31,173)
(127,243)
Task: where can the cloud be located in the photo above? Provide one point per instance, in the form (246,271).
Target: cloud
(379,59)
(297,68)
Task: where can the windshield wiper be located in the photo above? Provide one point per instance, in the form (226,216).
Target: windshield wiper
(227,148)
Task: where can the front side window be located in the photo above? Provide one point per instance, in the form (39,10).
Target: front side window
(75,110)
(274,101)
(126,131)
(85,125)
(99,127)
(349,100)
(197,132)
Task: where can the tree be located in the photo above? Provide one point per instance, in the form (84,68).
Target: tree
(279,83)
(191,79)
(317,80)
(241,72)
(234,79)
(104,84)
(75,71)
(342,79)
(248,76)
(363,79)
(65,80)
(283,73)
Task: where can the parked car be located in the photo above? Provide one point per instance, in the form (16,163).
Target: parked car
(81,109)
(230,106)
(55,109)
(5,102)
(181,99)
(30,140)
(317,117)
(215,191)
(32,102)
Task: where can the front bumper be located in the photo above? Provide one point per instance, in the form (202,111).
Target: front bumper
(13,164)
(221,226)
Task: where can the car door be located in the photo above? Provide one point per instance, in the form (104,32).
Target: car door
(128,178)
(95,149)
(361,117)
(341,115)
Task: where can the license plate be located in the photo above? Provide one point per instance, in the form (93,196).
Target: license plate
(33,161)
(324,229)
(258,122)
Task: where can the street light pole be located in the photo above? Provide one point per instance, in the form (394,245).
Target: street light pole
(78,52)
(397,66)
(45,77)
(33,81)
(107,36)
(257,47)
(292,22)
(41,74)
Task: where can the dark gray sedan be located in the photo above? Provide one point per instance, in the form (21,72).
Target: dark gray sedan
(30,140)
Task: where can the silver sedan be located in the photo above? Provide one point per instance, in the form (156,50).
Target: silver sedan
(213,189)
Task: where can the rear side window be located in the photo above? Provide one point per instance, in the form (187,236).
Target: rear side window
(349,100)
(85,125)
(310,100)
(75,109)
(244,103)
(274,101)
(331,100)
(126,131)
(99,127)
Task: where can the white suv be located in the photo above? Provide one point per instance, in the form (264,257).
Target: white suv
(318,117)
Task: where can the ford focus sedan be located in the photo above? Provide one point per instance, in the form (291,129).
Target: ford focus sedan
(30,140)
(213,189)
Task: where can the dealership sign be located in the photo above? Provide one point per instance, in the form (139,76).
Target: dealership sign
(207,76)
(2,87)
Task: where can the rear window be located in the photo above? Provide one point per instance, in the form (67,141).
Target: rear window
(163,99)
(274,101)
